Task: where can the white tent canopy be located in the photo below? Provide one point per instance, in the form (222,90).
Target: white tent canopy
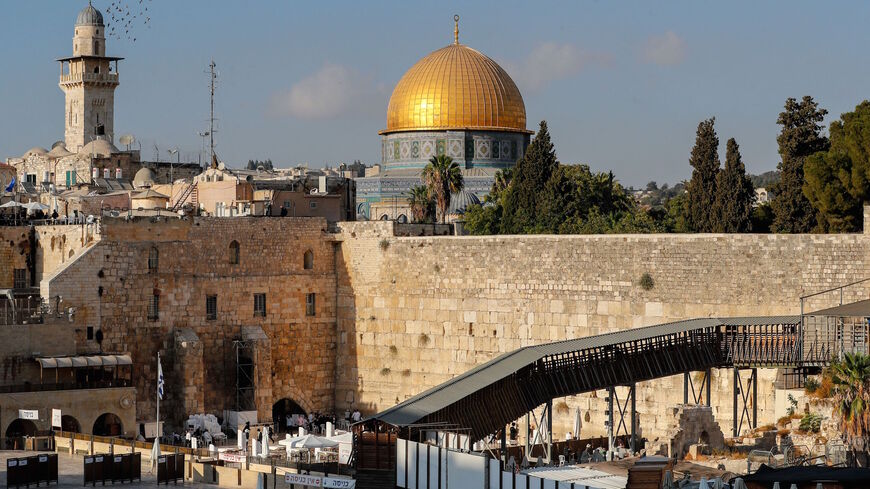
(308,442)
(9,204)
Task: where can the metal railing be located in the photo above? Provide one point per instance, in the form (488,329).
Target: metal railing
(65,386)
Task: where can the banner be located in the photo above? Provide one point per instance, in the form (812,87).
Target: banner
(232,457)
(316,481)
(339,483)
(344,450)
(56,418)
(28,414)
(304,480)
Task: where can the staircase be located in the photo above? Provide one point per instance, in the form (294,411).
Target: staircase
(191,192)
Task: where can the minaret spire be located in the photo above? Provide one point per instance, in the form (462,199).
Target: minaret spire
(456,29)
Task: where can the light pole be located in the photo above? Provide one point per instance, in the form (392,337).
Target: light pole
(171,179)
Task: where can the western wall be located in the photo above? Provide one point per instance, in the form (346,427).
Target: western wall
(397,315)
(416,311)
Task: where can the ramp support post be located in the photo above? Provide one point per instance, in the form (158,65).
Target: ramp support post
(745,394)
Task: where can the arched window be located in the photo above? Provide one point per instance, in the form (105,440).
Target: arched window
(153,257)
(234,253)
(308,260)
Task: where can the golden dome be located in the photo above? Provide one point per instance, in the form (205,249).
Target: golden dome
(456,87)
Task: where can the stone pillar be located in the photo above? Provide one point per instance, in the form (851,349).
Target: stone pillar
(189,372)
(867,219)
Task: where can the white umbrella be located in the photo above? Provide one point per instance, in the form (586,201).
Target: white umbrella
(11,203)
(35,206)
(265,448)
(776,485)
(311,441)
(739,484)
(669,480)
(577,423)
(703,484)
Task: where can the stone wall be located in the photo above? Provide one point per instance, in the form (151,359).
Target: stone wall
(16,245)
(416,311)
(85,405)
(58,244)
(110,285)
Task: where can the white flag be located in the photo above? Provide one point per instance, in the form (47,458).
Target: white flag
(159,379)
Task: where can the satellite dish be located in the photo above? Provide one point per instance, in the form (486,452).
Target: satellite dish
(222,166)
(249,178)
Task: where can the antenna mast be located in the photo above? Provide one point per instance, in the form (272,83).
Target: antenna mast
(212,79)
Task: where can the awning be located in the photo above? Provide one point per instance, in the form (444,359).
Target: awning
(85,361)
(854,309)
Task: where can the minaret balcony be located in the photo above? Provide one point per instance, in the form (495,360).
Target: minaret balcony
(111,78)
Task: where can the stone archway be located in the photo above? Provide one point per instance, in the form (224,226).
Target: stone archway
(16,431)
(70,424)
(281,409)
(108,424)
(21,427)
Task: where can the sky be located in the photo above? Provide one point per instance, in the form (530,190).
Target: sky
(622,85)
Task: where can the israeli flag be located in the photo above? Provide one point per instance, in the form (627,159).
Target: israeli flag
(159,379)
(11,185)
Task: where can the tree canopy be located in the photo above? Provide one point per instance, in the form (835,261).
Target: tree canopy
(837,181)
(701,190)
(800,137)
(734,194)
(540,195)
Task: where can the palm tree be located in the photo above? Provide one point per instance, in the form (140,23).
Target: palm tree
(851,379)
(420,202)
(442,177)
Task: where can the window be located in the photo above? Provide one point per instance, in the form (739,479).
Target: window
(153,257)
(312,205)
(30,178)
(211,307)
(154,308)
(90,332)
(70,178)
(19,278)
(309,304)
(260,305)
(234,253)
(308,260)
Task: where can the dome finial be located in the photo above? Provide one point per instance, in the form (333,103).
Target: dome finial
(456,29)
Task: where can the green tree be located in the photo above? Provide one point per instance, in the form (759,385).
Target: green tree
(530,177)
(420,202)
(734,194)
(701,190)
(800,137)
(442,177)
(851,381)
(837,181)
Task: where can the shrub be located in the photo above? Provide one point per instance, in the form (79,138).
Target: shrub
(811,385)
(646,281)
(784,421)
(384,244)
(394,350)
(385,371)
(562,407)
(423,340)
(811,423)
(824,390)
(783,432)
(406,372)
(792,405)
(767,427)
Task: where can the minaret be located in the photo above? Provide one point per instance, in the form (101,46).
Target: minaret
(89,82)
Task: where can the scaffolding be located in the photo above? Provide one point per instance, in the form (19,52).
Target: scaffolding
(245,353)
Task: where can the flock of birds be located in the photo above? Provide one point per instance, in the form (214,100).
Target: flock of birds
(123,16)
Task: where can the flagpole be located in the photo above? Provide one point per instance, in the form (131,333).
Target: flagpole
(158,400)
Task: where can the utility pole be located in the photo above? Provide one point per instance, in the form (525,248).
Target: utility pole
(212,79)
